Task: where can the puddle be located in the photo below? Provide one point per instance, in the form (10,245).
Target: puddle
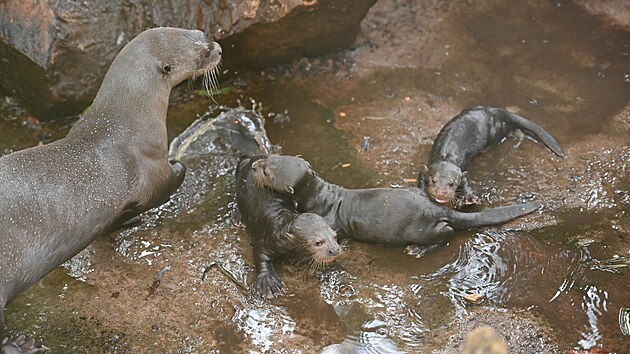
(149,286)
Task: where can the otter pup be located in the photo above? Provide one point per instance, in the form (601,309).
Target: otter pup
(463,138)
(278,229)
(386,216)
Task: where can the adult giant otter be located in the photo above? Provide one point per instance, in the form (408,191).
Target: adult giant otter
(277,229)
(112,165)
(463,138)
(386,216)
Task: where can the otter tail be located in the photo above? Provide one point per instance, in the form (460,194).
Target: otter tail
(493,216)
(534,129)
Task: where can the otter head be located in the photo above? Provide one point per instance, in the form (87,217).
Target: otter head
(443,179)
(281,173)
(314,239)
(161,58)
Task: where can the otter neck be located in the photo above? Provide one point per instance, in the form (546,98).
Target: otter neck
(129,109)
(316,195)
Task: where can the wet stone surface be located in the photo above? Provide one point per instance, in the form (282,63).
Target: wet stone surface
(553,281)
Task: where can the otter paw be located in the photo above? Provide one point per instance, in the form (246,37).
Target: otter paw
(469,199)
(238,224)
(270,285)
(473,199)
(419,251)
(133,221)
(22,345)
(179,169)
(415,251)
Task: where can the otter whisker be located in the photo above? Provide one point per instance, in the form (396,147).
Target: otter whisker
(206,78)
(203,81)
(315,265)
(341,260)
(215,79)
(215,82)
(209,81)
(189,82)
(310,266)
(304,261)
(208,84)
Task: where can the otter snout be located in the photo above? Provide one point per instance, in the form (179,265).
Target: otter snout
(440,197)
(213,48)
(333,250)
(217,48)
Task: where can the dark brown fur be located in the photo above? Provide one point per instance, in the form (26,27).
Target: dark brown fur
(463,138)
(386,216)
(278,229)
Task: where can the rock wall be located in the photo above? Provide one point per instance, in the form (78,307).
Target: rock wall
(54,54)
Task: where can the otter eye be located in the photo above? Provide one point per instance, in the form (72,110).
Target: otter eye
(451,184)
(166,69)
(318,243)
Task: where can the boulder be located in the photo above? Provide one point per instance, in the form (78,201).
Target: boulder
(54,54)
(614,12)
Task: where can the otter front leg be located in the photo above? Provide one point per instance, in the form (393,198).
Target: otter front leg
(171,185)
(158,196)
(268,282)
(466,195)
(179,173)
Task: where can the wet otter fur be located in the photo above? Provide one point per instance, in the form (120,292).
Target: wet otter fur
(112,165)
(278,229)
(387,216)
(463,138)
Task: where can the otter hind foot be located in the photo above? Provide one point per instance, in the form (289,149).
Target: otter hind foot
(22,345)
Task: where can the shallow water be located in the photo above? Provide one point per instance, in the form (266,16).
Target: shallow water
(150,285)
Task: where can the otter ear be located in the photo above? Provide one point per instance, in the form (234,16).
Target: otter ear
(166,69)
(289,190)
(464,174)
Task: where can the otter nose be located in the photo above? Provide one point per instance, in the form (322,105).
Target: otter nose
(216,47)
(213,48)
(334,250)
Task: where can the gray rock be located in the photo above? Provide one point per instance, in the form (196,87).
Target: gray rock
(54,54)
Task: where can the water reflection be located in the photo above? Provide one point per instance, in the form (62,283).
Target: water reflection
(479,269)
(262,323)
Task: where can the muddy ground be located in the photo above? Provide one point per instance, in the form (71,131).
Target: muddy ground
(551,282)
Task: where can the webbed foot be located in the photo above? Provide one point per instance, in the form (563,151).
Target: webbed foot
(179,170)
(269,285)
(419,251)
(237,220)
(22,345)
(469,199)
